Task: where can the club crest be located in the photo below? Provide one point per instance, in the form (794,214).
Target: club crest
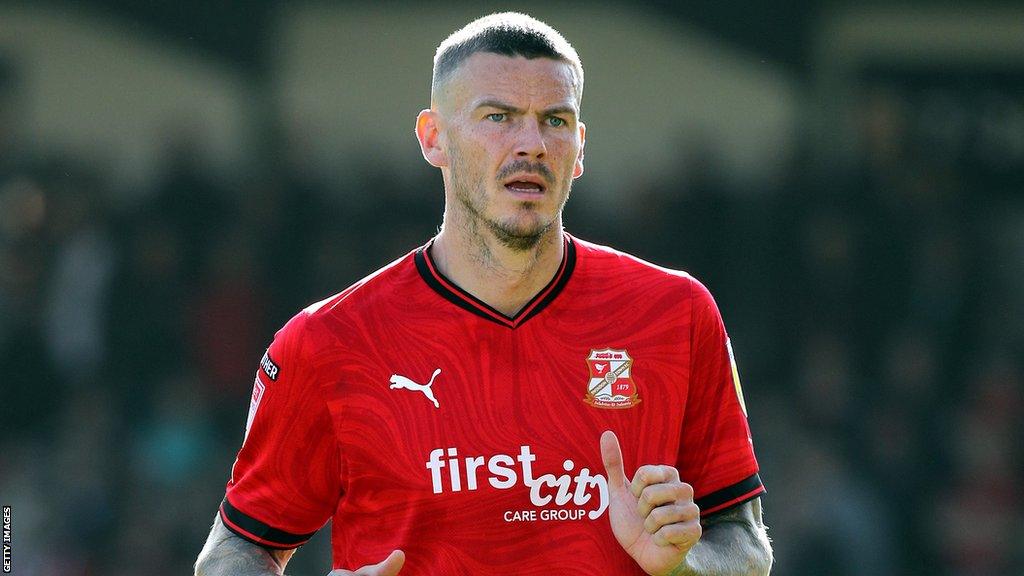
(611,382)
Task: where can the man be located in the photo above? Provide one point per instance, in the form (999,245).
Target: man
(461,410)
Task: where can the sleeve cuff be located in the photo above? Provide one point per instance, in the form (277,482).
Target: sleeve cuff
(734,495)
(251,529)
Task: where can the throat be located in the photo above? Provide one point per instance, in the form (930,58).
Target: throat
(503,278)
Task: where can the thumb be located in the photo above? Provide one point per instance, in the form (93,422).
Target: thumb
(390,566)
(611,454)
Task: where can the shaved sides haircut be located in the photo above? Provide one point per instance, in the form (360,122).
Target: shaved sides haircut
(509,34)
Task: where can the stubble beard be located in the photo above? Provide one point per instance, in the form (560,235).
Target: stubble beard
(508,232)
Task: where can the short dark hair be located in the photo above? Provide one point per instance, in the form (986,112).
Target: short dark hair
(508,34)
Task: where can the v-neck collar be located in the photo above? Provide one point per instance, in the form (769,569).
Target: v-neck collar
(456,295)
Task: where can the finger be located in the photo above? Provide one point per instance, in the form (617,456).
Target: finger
(652,474)
(611,453)
(671,514)
(681,535)
(659,494)
(388,567)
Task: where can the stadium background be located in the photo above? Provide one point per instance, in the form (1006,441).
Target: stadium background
(177,179)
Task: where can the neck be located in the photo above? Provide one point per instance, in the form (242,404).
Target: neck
(502,277)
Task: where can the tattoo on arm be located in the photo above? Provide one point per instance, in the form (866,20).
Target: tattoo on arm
(735,543)
(225,554)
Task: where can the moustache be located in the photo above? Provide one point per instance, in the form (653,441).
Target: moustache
(525,166)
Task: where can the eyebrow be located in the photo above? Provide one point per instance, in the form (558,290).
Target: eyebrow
(493,103)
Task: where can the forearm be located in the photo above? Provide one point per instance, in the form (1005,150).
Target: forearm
(734,543)
(228,555)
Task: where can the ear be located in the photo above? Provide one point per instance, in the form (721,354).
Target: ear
(428,132)
(577,170)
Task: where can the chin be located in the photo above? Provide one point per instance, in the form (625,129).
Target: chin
(518,235)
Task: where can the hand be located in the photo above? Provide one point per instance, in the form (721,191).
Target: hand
(389,567)
(653,517)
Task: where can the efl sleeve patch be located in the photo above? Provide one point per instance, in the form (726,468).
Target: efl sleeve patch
(254,403)
(736,377)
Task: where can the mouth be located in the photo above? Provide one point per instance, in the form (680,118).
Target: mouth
(526,184)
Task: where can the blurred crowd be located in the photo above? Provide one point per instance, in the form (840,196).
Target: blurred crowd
(874,304)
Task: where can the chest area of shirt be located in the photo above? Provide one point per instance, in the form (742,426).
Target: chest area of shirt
(481,397)
(514,379)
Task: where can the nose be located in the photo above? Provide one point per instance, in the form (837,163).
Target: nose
(530,142)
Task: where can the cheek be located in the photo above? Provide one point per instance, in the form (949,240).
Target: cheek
(475,145)
(564,144)
(568,153)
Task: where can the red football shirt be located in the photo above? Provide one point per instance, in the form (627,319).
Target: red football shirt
(417,417)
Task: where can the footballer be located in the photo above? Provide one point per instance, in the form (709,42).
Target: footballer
(506,398)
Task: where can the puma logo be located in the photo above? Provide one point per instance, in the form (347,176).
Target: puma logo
(399,381)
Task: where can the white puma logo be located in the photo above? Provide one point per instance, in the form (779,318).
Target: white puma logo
(399,381)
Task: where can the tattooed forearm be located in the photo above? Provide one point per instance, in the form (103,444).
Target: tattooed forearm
(734,543)
(228,555)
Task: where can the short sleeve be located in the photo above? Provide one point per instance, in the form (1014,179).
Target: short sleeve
(285,483)
(716,453)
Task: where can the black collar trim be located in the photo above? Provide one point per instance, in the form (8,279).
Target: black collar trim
(456,295)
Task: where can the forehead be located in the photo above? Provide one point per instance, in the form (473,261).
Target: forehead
(541,81)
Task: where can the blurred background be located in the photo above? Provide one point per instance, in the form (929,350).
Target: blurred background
(178,179)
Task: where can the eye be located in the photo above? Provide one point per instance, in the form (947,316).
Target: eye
(555,122)
(497,117)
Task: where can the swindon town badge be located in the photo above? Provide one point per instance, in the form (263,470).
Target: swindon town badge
(611,380)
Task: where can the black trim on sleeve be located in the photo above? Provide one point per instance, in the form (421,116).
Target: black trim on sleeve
(259,533)
(750,486)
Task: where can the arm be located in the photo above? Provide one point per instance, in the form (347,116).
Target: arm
(225,554)
(286,468)
(735,542)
